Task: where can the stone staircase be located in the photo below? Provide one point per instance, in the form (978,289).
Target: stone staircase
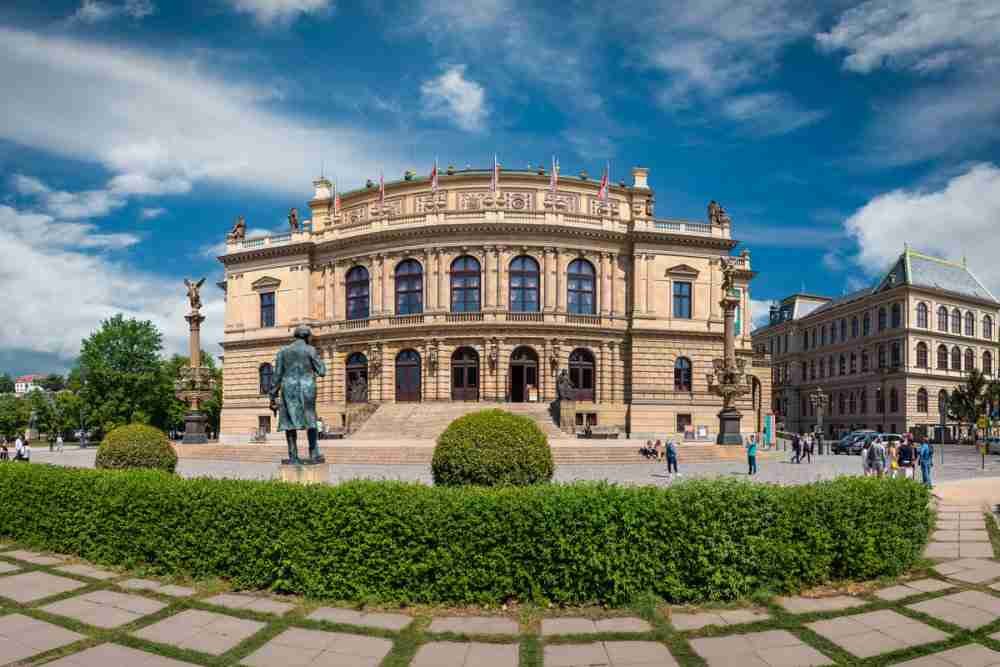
(426,421)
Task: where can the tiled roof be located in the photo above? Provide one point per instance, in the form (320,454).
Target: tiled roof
(841,300)
(29,378)
(931,272)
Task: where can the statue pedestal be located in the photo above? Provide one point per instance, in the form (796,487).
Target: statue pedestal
(194,429)
(729,427)
(305,474)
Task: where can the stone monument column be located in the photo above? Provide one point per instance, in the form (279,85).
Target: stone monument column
(194,385)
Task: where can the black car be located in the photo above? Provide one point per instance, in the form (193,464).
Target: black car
(852,443)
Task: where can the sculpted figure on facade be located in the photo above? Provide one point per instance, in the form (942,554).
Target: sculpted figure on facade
(293,220)
(717,215)
(358,391)
(293,393)
(564,387)
(239,230)
(194,293)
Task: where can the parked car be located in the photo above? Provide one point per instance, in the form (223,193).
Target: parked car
(993,445)
(852,442)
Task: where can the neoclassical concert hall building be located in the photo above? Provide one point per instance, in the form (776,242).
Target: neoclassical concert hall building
(482,291)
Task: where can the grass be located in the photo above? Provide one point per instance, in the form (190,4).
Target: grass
(531,645)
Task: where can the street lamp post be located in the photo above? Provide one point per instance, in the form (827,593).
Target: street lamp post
(819,401)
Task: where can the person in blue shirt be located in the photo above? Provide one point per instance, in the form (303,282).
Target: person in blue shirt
(671,456)
(926,458)
(752,455)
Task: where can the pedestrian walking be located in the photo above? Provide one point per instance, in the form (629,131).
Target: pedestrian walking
(907,459)
(672,457)
(59,443)
(865,448)
(926,456)
(796,448)
(658,449)
(27,451)
(808,447)
(4,454)
(18,448)
(752,455)
(893,458)
(877,458)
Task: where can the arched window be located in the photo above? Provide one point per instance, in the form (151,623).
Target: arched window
(942,358)
(881,318)
(988,362)
(893,400)
(265,374)
(922,402)
(805,340)
(970,360)
(356,378)
(580,289)
(822,335)
(863,402)
(866,324)
(970,324)
(842,403)
(524,281)
(864,361)
(988,327)
(956,359)
(942,319)
(922,315)
(922,355)
(897,315)
(896,355)
(855,328)
(812,338)
(881,355)
(843,364)
(812,369)
(465,285)
(581,373)
(357,293)
(682,374)
(822,368)
(853,405)
(409,288)
(956,321)
(879,402)
(843,330)
(854,363)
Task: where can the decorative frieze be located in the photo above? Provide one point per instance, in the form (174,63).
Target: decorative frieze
(516,200)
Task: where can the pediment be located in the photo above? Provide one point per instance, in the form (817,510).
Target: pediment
(682,270)
(265,283)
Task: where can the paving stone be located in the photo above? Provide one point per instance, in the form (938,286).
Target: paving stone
(974,536)
(112,654)
(474,625)
(576,655)
(463,654)
(946,525)
(975,550)
(140,584)
(945,536)
(759,649)
(34,557)
(84,570)
(369,620)
(317,648)
(722,617)
(910,588)
(22,637)
(568,626)
(257,603)
(941,550)
(876,632)
(105,609)
(198,630)
(6,567)
(623,624)
(175,591)
(31,586)
(929,585)
(803,605)
(970,570)
(970,655)
(966,609)
(639,654)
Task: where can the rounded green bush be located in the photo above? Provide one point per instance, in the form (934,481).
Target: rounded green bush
(136,446)
(492,448)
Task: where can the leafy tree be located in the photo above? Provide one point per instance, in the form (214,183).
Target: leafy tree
(6,384)
(9,419)
(123,378)
(969,401)
(53,382)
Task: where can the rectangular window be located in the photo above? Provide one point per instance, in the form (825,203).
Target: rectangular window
(682,300)
(267,309)
(683,423)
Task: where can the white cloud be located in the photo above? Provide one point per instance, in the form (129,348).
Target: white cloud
(151,213)
(455,98)
(96,11)
(68,205)
(760,312)
(160,125)
(767,114)
(280,11)
(920,35)
(958,220)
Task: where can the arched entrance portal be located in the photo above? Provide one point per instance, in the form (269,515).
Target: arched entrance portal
(523,378)
(465,375)
(407,376)
(581,373)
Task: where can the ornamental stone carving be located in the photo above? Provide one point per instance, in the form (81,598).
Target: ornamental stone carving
(392,206)
(474,200)
(432,202)
(564,202)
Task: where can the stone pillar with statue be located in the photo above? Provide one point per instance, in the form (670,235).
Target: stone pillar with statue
(195,384)
(729,379)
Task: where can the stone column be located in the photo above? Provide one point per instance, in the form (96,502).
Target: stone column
(560,292)
(614,272)
(606,268)
(614,364)
(442,282)
(650,280)
(425,282)
(638,287)
(374,284)
(548,280)
(487,279)
(388,277)
(194,319)
(499,302)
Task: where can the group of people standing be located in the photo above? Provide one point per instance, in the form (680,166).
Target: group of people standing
(897,460)
(656,451)
(803,447)
(22,449)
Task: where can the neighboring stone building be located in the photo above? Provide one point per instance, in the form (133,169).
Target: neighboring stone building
(887,356)
(27,383)
(472,294)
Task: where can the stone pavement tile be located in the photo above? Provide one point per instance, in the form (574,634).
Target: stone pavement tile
(120,656)
(802,655)
(945,536)
(975,550)
(22,637)
(83,570)
(623,624)
(759,649)
(568,626)
(639,654)
(970,655)
(474,625)
(384,621)
(34,557)
(956,613)
(972,570)
(317,648)
(257,603)
(941,550)
(576,655)
(140,584)
(462,654)
(175,591)
(723,617)
(978,600)
(946,525)
(893,593)
(929,585)
(36,585)
(8,567)
(974,536)
(803,605)
(876,632)
(200,630)
(105,609)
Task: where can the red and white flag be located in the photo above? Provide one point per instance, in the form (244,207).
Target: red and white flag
(336,200)
(554,176)
(495,181)
(602,194)
(381,189)
(434,176)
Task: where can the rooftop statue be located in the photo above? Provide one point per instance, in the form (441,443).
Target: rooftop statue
(239,230)
(194,293)
(293,393)
(293,219)
(717,215)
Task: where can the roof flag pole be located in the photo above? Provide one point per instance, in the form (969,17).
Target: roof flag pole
(602,194)
(381,190)
(434,176)
(554,176)
(336,195)
(495,180)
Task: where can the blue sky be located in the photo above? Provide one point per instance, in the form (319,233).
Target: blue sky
(134,131)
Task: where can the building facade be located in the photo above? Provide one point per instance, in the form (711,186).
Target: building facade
(887,357)
(476,292)
(27,383)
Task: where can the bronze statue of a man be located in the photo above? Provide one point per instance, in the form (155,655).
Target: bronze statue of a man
(295,371)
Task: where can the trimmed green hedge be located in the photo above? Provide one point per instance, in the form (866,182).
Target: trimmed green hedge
(492,448)
(136,446)
(389,541)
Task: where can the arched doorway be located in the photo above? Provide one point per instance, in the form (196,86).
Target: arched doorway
(581,373)
(407,376)
(465,375)
(356,381)
(523,378)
